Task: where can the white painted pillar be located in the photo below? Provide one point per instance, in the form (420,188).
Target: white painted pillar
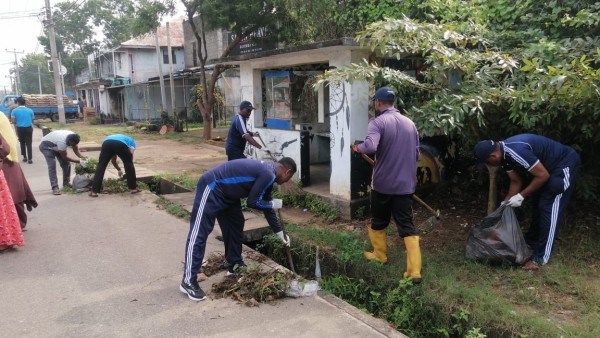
(251,90)
(348,109)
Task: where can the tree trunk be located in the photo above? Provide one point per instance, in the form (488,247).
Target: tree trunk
(206,121)
(493,190)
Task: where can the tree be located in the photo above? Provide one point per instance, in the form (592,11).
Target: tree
(30,65)
(540,82)
(242,18)
(76,24)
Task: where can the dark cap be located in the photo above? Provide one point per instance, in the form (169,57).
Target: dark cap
(385,94)
(483,149)
(246,105)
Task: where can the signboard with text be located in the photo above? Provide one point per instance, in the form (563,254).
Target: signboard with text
(247,45)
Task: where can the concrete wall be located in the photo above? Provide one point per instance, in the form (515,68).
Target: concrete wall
(143,101)
(281,143)
(216,41)
(348,107)
(145,63)
(104,103)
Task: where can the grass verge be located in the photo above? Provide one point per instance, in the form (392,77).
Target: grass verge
(172,208)
(458,298)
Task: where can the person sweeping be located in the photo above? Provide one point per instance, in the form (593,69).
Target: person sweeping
(394,140)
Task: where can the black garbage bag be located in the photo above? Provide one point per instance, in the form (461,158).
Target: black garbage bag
(498,239)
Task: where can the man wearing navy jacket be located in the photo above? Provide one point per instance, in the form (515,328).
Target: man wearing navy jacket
(553,168)
(218,197)
(239,134)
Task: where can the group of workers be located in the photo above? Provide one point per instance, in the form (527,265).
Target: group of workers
(392,138)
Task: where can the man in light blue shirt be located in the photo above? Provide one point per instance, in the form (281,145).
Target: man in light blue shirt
(115,145)
(22,117)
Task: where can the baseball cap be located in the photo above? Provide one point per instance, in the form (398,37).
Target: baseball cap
(246,104)
(483,149)
(385,94)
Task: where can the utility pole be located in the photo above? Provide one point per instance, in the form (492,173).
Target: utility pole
(18,78)
(40,79)
(160,72)
(171,80)
(62,78)
(55,65)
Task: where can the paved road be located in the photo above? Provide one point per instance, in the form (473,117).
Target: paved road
(110,267)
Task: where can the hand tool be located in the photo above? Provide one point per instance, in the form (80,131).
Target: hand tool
(431,222)
(288,252)
(264,146)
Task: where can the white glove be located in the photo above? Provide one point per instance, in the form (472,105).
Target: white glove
(515,201)
(284,238)
(83,162)
(277,203)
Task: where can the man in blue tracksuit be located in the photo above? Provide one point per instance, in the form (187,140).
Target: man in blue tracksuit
(239,134)
(553,168)
(218,197)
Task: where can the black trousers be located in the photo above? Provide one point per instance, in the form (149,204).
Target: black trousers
(25,134)
(384,206)
(109,149)
(234,154)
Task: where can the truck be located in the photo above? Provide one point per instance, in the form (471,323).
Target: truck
(43,106)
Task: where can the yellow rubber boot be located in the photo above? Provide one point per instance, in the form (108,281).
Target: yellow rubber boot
(413,258)
(379,243)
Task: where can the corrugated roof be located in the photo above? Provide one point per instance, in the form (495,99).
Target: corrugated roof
(149,40)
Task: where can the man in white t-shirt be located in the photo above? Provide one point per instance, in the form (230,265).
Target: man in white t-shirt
(54,146)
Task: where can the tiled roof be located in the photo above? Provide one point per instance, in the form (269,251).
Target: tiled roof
(149,41)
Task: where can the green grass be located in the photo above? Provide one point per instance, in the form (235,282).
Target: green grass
(173,208)
(89,133)
(458,297)
(97,133)
(188,180)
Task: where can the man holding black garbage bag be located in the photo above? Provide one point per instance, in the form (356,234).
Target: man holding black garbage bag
(553,168)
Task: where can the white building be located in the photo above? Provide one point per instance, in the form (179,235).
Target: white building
(123,83)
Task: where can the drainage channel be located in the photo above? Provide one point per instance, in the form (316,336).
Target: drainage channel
(361,284)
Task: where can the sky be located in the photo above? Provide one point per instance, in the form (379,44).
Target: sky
(19,32)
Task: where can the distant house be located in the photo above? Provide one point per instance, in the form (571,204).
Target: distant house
(124,83)
(216,42)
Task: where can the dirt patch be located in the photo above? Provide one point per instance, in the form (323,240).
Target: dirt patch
(170,156)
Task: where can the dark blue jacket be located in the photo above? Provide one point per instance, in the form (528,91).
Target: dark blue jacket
(244,178)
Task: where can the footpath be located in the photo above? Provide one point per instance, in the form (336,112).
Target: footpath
(111,267)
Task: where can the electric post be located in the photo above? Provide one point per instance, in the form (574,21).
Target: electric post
(18,78)
(55,65)
(40,78)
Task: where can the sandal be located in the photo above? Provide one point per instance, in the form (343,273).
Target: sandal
(135,191)
(530,266)
(93,194)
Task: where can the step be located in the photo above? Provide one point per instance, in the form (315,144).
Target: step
(255,226)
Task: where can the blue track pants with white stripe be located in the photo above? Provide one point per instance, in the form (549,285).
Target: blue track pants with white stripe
(208,207)
(549,205)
